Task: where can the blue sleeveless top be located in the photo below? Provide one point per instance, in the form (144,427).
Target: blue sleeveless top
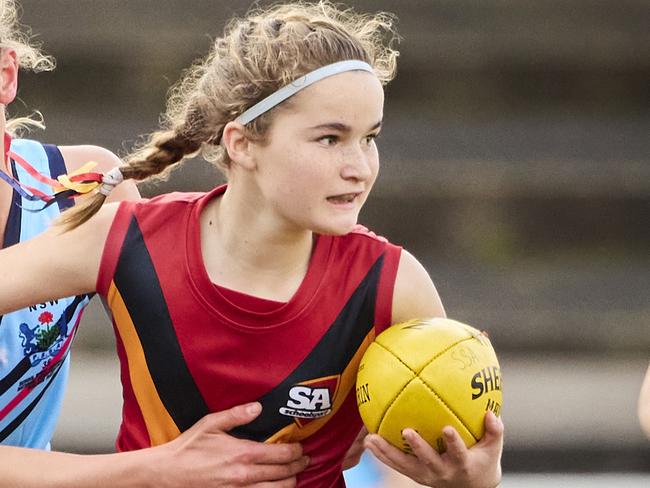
(35,341)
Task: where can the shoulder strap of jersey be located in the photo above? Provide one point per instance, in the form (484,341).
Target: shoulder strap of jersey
(57,168)
(113,246)
(384,303)
(46,159)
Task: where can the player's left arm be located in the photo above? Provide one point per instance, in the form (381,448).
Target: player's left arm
(415,296)
(77,156)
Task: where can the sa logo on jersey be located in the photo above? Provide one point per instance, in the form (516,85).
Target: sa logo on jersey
(311,399)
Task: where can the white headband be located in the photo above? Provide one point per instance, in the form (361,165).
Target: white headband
(295,86)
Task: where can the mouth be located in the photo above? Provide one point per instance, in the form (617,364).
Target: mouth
(344,198)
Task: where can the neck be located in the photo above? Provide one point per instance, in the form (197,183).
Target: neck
(247,250)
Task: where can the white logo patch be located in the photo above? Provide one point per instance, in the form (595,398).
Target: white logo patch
(307,402)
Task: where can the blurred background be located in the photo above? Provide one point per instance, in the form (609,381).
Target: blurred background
(515,166)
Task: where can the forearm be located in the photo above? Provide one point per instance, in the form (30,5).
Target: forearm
(27,468)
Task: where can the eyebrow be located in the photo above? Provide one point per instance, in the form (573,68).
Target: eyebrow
(339,127)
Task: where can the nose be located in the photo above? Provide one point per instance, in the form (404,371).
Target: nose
(358,164)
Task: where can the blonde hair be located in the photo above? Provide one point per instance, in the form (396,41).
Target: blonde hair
(256,56)
(15,36)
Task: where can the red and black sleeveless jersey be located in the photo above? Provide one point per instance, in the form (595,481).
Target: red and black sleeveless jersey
(188,348)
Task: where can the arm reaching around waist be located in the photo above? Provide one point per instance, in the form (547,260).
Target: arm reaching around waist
(205,456)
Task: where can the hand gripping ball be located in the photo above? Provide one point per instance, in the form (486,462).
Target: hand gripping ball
(426,374)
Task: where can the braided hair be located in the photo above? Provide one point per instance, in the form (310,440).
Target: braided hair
(257,55)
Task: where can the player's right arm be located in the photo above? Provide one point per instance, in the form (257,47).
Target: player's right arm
(54,264)
(205,456)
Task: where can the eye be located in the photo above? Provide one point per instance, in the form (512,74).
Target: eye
(329,140)
(370,138)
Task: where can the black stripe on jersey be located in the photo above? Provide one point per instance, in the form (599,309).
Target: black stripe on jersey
(137,281)
(13,226)
(330,357)
(57,168)
(15,423)
(15,374)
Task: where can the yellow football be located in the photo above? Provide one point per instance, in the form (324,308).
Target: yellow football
(426,374)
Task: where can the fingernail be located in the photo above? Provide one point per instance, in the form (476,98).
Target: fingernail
(253,408)
(306,460)
(448,432)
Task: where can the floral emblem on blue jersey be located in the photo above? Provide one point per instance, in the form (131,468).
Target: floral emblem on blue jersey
(43,341)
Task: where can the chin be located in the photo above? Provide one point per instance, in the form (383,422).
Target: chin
(336,229)
(333,224)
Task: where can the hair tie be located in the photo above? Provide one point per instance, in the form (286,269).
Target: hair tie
(110,180)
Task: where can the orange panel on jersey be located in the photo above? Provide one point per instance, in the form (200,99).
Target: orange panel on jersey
(160,426)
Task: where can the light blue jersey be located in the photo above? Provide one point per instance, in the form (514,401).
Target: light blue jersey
(35,342)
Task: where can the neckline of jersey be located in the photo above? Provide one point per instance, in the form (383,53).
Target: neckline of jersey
(234,314)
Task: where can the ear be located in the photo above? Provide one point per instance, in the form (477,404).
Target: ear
(8,75)
(238,145)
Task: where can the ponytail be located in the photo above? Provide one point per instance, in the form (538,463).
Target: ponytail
(163,150)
